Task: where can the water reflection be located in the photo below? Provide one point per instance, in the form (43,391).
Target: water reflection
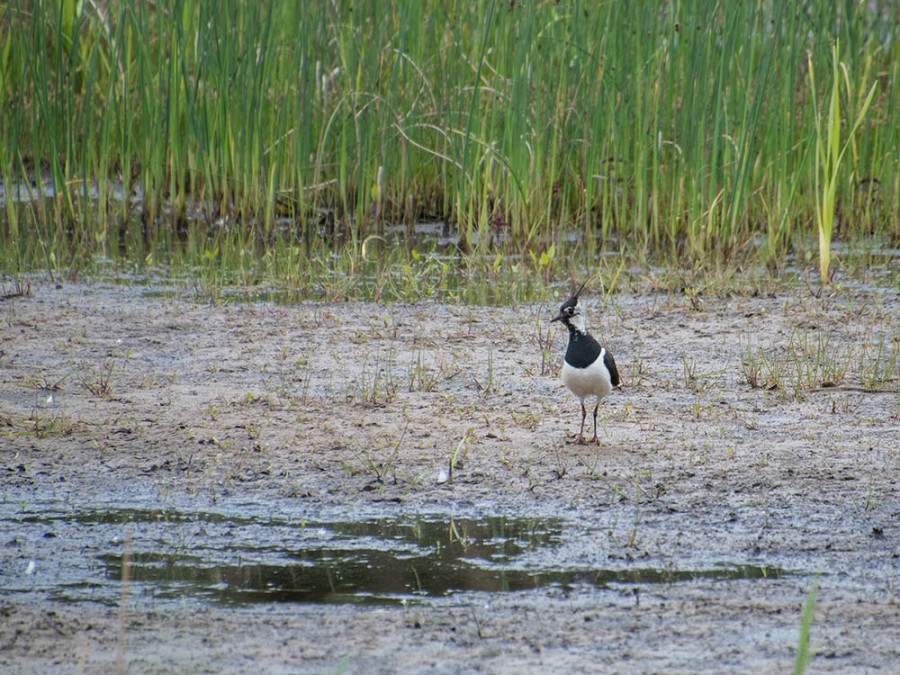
(241,555)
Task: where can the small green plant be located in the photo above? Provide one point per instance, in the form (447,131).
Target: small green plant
(487,387)
(377,382)
(545,344)
(383,469)
(543,262)
(811,359)
(636,370)
(804,654)
(562,463)
(98,381)
(290,370)
(458,454)
(878,361)
(829,154)
(420,377)
(817,358)
(752,364)
(50,423)
(689,373)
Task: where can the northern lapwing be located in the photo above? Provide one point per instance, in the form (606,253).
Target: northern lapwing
(588,369)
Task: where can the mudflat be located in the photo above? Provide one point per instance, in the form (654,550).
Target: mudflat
(752,454)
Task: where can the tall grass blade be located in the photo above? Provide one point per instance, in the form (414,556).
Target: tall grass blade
(829,156)
(804,654)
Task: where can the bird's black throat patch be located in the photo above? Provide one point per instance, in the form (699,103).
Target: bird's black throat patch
(583,349)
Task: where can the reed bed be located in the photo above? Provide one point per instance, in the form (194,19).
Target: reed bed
(267,140)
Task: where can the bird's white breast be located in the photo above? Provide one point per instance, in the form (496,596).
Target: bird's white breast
(591,381)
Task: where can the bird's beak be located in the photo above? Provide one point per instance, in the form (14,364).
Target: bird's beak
(558,317)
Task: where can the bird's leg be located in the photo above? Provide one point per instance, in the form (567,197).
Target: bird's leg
(596,408)
(580,437)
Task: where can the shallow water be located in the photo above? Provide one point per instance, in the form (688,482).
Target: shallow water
(67,549)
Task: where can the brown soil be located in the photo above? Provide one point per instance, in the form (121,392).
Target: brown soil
(363,406)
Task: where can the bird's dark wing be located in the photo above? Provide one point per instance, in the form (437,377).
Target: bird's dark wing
(610,363)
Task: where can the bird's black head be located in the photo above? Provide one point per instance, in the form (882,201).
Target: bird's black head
(570,308)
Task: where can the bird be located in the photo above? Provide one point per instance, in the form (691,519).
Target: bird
(588,368)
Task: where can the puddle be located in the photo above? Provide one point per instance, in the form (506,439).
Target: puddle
(245,554)
(381,560)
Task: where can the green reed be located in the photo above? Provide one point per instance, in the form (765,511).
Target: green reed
(685,130)
(829,153)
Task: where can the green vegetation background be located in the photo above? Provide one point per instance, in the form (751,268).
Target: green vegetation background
(686,130)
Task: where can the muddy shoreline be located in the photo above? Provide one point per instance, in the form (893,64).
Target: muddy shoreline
(377,412)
